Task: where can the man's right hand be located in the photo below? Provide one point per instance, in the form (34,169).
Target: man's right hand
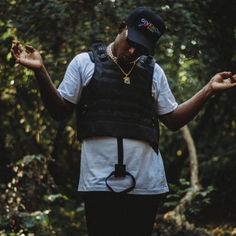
(58,107)
(28,56)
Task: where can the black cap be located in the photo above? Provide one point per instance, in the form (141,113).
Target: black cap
(145,27)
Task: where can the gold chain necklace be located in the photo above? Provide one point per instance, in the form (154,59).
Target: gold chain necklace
(126,77)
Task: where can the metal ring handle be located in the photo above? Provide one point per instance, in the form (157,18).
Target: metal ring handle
(123,191)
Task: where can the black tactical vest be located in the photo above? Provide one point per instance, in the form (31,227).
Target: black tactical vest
(109,107)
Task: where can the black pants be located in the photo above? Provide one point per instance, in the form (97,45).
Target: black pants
(111,214)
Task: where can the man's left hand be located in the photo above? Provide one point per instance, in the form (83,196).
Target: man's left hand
(222,81)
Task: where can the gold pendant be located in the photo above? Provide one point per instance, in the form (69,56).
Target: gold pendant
(126,80)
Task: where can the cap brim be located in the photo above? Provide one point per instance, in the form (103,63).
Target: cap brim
(139,38)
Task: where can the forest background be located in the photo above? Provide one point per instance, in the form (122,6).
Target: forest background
(40,158)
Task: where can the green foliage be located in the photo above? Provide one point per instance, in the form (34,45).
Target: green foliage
(201,201)
(177,192)
(30,205)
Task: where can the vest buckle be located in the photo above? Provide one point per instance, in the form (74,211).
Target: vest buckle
(120,170)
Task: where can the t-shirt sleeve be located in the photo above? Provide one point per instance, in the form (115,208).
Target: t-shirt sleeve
(77,75)
(165,100)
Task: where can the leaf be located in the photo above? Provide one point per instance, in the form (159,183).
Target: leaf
(53,197)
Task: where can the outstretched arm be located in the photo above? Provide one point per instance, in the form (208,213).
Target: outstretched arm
(30,58)
(186,111)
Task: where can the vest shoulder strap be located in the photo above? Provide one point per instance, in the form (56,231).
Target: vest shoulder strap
(98,51)
(91,56)
(98,54)
(146,62)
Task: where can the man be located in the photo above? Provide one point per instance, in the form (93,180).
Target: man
(119,93)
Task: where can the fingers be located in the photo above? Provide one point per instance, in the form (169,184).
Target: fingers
(226,74)
(229,78)
(16,50)
(17,47)
(223,80)
(229,81)
(29,48)
(233,78)
(229,75)
(14,54)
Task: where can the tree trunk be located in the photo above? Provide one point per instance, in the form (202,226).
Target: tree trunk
(178,214)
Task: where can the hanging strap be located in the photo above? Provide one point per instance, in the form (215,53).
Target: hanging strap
(120,169)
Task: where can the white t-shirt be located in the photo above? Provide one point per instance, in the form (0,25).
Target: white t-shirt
(99,154)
